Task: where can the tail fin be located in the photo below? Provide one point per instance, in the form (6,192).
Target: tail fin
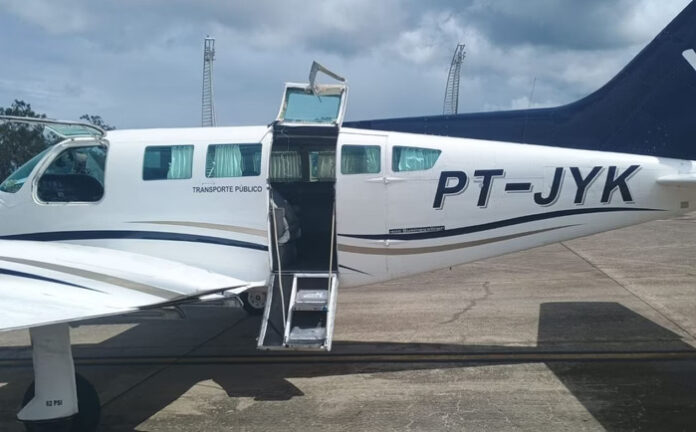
(648,108)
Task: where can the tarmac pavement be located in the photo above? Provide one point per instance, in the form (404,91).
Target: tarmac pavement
(592,334)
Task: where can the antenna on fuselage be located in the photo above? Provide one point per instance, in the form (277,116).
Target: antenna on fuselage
(208,102)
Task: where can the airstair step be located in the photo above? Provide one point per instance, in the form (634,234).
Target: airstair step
(300,312)
(312,300)
(307,336)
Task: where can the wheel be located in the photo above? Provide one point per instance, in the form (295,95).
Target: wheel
(87,418)
(254,302)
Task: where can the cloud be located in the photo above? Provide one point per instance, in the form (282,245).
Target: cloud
(138,63)
(55,18)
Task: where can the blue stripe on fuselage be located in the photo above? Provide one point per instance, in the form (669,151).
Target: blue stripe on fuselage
(494,225)
(134,235)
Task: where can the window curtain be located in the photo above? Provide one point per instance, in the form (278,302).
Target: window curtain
(416,159)
(326,165)
(181,162)
(257,161)
(286,165)
(352,162)
(372,159)
(227,161)
(360,159)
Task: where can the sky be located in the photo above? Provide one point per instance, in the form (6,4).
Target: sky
(138,63)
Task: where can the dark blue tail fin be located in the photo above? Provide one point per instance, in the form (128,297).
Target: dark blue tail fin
(648,108)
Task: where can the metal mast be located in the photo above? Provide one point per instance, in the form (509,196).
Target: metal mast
(208,103)
(451,103)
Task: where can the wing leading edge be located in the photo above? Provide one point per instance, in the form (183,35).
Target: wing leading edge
(48,283)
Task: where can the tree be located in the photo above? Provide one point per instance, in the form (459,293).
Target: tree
(97,121)
(19,142)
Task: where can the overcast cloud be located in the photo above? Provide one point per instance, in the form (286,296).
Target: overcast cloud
(139,63)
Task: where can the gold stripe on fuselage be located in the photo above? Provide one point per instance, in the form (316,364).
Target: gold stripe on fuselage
(213,226)
(443,248)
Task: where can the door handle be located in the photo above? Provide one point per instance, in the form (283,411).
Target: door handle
(386,180)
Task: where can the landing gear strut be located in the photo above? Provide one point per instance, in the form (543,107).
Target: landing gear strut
(57,400)
(86,419)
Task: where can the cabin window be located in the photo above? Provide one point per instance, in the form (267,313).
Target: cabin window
(75,175)
(168,162)
(358,159)
(16,180)
(413,158)
(233,160)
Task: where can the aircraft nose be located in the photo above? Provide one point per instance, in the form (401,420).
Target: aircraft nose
(4,205)
(3,216)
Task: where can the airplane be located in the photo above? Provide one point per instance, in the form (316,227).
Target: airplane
(277,217)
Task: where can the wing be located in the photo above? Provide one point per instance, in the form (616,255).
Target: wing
(48,283)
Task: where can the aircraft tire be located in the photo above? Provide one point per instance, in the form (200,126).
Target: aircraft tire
(254,302)
(86,420)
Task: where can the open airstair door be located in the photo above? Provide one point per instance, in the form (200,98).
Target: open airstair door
(303,285)
(313,104)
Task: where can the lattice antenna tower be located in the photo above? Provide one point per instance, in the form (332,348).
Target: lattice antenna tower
(451,103)
(208,102)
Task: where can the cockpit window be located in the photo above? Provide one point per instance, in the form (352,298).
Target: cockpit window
(75,175)
(16,180)
(413,158)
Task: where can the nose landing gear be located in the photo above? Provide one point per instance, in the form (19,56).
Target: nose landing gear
(254,301)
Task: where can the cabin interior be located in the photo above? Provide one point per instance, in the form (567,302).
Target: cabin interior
(302,179)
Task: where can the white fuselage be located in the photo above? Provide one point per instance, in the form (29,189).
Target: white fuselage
(479,199)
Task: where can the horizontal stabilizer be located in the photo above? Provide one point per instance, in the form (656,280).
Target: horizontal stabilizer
(684,180)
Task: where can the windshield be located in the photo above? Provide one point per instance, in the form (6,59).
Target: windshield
(16,180)
(302,106)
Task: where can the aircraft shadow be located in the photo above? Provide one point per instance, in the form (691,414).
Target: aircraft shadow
(620,395)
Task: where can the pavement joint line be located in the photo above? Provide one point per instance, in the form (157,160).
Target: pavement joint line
(172,361)
(641,299)
(516,357)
